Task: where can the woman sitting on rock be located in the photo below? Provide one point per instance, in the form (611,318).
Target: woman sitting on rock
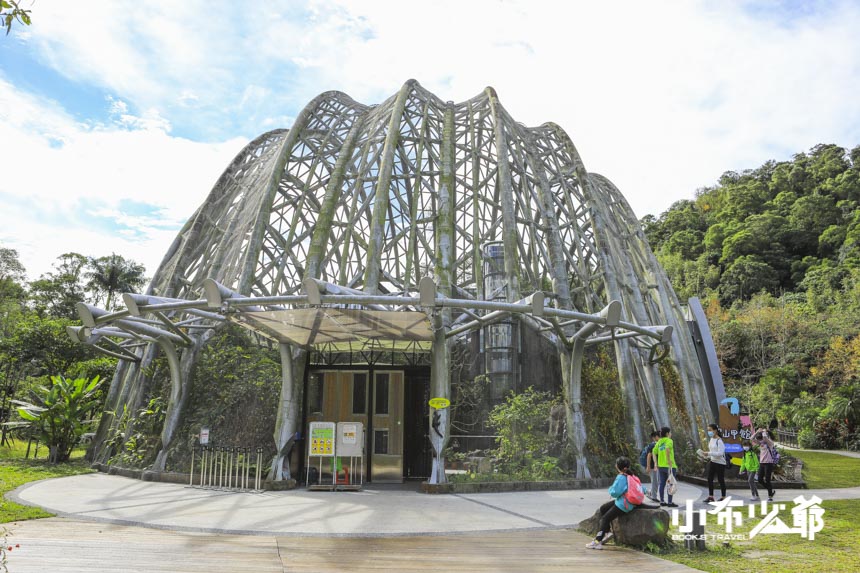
(627,494)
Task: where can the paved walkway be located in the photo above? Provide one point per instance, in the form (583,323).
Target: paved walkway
(374,512)
(110,523)
(188,529)
(60,545)
(837,452)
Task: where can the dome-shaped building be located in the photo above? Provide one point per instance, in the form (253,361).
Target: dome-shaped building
(369,242)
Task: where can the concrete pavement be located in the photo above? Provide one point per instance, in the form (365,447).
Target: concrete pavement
(384,528)
(376,511)
(62,545)
(380,529)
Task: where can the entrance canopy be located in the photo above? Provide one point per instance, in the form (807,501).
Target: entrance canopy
(340,327)
(349,320)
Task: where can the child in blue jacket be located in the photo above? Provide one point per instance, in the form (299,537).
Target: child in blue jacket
(618,506)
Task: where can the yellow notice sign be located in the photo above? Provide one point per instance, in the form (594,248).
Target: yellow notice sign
(322,439)
(439,403)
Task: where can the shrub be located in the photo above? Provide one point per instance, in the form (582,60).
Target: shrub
(853,442)
(60,413)
(136,441)
(831,434)
(521,424)
(807,439)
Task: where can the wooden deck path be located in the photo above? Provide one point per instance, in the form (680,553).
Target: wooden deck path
(59,545)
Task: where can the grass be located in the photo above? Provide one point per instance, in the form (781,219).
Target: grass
(16,471)
(835,549)
(822,471)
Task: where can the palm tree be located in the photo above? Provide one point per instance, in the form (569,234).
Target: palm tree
(111,275)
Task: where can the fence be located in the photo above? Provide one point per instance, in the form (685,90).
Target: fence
(787,437)
(227,467)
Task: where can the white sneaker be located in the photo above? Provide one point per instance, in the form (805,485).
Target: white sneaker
(756,498)
(607,537)
(594,545)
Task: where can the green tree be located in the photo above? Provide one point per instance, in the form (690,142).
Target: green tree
(13,296)
(778,388)
(44,343)
(830,240)
(747,276)
(56,293)
(827,161)
(809,217)
(60,413)
(10,266)
(687,243)
(112,275)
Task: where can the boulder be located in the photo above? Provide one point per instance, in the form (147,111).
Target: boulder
(643,525)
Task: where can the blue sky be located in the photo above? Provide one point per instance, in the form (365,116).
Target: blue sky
(116,117)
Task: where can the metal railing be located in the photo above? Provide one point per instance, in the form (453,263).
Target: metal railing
(227,467)
(787,436)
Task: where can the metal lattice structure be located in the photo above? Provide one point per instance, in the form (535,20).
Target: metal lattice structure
(356,204)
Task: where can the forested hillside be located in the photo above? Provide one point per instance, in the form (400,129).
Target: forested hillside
(774,253)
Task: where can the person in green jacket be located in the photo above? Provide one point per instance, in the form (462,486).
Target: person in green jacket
(750,465)
(665,449)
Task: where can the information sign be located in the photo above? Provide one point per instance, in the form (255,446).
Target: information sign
(204,436)
(350,439)
(349,434)
(439,403)
(322,439)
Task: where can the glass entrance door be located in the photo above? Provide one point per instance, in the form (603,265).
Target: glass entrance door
(374,398)
(338,396)
(386,444)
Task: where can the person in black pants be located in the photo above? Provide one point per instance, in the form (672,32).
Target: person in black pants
(766,460)
(716,462)
(618,506)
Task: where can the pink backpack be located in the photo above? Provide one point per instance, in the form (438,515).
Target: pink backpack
(634,493)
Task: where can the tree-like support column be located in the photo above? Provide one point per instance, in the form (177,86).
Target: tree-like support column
(440,369)
(440,387)
(572,356)
(289,411)
(174,409)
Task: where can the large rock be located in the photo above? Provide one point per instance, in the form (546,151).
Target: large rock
(640,527)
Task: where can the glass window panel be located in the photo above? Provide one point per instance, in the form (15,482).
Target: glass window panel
(381,394)
(380,441)
(315,392)
(359,393)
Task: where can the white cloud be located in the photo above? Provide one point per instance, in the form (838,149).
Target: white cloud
(661,97)
(70,197)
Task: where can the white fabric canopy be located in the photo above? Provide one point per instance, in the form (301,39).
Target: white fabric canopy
(310,327)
